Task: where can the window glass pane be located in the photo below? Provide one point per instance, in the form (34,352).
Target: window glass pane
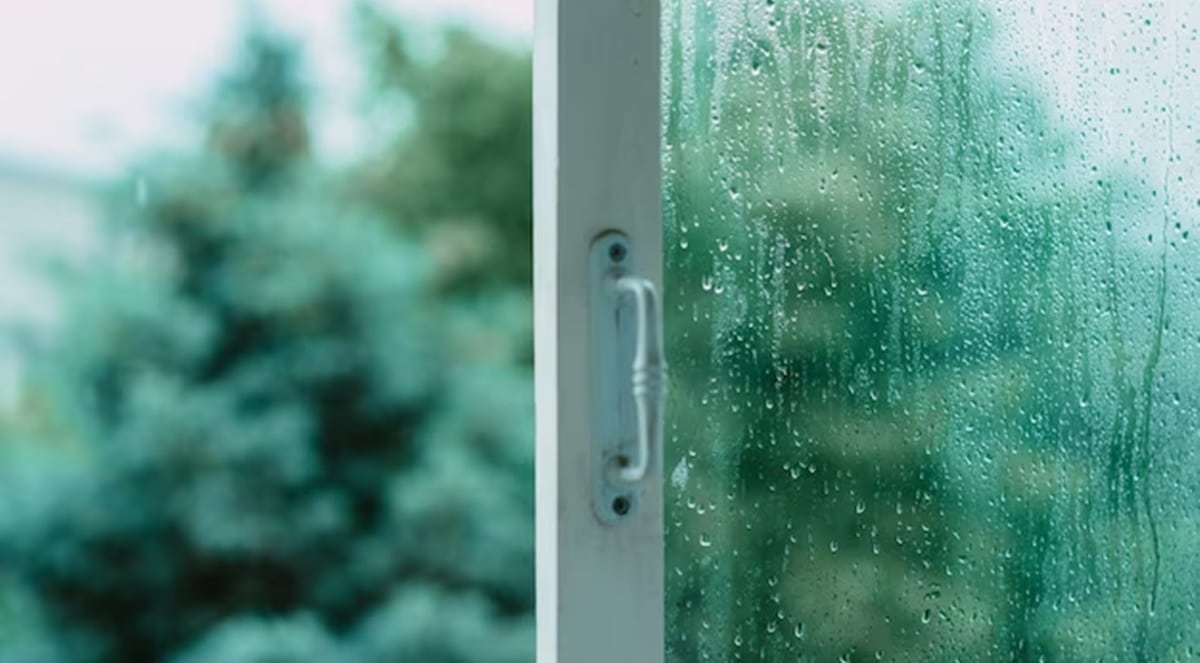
(933,288)
(265,354)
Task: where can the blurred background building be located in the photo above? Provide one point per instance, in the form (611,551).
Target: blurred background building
(46,212)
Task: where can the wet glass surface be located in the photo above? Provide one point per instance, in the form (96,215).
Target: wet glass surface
(932,289)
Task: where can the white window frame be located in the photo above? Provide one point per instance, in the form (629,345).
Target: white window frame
(597,168)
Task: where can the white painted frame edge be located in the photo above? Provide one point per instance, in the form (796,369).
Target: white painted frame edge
(597,167)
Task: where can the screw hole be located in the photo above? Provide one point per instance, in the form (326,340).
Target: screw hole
(620,506)
(617,252)
(622,461)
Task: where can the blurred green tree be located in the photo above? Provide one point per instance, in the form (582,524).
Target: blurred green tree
(881,248)
(458,170)
(291,442)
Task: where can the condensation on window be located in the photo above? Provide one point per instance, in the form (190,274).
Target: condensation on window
(934,303)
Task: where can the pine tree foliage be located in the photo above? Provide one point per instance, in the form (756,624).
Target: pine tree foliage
(291,444)
(464,151)
(883,250)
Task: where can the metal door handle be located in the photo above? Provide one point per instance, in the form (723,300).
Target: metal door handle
(649,377)
(628,379)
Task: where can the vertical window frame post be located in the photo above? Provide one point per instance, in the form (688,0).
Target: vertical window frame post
(597,168)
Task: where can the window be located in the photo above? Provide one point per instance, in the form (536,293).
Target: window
(929,287)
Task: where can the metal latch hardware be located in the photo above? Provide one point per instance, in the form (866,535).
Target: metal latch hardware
(628,379)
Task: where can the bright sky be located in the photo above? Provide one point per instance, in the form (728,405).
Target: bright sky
(85,84)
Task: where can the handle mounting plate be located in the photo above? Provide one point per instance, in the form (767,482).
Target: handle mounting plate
(627,373)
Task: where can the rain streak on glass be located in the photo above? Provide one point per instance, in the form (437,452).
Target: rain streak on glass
(933,292)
